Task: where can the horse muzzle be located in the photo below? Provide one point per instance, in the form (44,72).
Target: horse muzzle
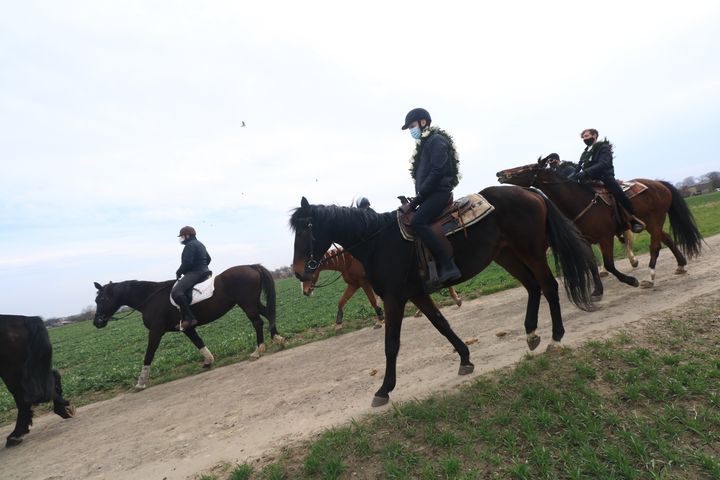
(100,321)
(308,288)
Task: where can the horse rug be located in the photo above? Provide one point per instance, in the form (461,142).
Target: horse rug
(201,291)
(457,216)
(631,189)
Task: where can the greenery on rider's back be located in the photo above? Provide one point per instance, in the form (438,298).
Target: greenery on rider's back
(98,364)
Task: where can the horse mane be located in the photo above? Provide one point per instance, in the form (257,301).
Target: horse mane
(351,221)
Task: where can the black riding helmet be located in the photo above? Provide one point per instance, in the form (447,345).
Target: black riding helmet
(415,115)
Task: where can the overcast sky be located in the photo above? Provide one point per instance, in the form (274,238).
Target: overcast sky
(121,121)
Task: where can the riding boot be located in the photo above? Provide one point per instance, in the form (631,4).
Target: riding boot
(442,251)
(188,319)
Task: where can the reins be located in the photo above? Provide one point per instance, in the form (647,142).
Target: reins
(592,203)
(133,310)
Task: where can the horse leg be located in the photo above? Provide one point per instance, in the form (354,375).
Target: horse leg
(24,416)
(154,338)
(455,296)
(629,242)
(373,301)
(394,310)
(259,337)
(655,238)
(61,406)
(681,260)
(520,271)
(430,310)
(349,292)
(194,337)
(606,248)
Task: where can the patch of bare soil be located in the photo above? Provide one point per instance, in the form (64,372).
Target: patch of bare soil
(249,410)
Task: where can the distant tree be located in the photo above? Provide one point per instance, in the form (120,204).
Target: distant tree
(713,178)
(688,182)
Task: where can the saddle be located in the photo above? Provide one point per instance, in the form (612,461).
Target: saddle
(200,291)
(456,216)
(631,189)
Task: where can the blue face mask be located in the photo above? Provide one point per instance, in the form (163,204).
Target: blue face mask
(416,132)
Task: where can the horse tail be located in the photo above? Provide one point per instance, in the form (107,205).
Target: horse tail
(268,286)
(573,256)
(38,381)
(682,224)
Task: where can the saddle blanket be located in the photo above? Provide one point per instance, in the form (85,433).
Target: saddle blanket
(201,291)
(631,189)
(462,213)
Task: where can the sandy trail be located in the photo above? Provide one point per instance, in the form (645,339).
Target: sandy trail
(244,411)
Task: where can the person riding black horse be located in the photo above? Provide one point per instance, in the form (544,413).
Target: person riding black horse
(193,270)
(564,167)
(435,172)
(363,203)
(596,163)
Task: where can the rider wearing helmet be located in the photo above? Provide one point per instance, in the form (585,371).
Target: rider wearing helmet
(194,269)
(435,172)
(363,203)
(563,167)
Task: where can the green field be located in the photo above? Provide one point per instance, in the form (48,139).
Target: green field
(642,405)
(98,364)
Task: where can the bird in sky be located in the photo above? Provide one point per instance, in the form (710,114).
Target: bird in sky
(243,123)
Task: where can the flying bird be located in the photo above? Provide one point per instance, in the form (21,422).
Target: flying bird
(243,123)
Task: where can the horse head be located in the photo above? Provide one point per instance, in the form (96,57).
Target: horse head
(524,176)
(311,243)
(106,304)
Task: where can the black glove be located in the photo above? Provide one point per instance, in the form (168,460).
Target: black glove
(581,176)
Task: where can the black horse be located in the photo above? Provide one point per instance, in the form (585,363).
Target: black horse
(26,369)
(516,236)
(241,285)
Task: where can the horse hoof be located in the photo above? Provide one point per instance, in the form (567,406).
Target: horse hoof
(380,401)
(70,411)
(417,314)
(634,282)
(207,366)
(338,327)
(646,284)
(466,369)
(680,271)
(140,388)
(554,347)
(595,297)
(634,263)
(378,325)
(458,302)
(533,341)
(279,340)
(13,441)
(603,273)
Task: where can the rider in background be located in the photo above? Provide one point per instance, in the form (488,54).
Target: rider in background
(596,163)
(193,270)
(435,172)
(564,167)
(363,204)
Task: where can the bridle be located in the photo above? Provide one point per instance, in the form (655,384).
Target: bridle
(133,310)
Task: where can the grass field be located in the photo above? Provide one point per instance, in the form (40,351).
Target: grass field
(97,364)
(642,405)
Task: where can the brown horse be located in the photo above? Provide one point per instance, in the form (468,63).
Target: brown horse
(353,273)
(241,285)
(26,369)
(516,236)
(598,223)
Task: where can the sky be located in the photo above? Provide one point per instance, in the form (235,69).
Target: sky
(120,122)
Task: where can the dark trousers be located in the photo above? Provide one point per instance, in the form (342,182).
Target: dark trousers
(428,211)
(185,284)
(617,192)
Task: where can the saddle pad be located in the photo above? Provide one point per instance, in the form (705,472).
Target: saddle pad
(462,213)
(631,189)
(201,291)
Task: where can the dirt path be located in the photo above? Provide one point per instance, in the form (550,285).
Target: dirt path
(244,411)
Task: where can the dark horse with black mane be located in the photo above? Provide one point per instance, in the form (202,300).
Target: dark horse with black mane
(241,285)
(597,222)
(516,236)
(26,369)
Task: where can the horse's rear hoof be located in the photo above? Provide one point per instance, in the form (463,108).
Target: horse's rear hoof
(140,388)
(533,341)
(554,347)
(207,366)
(634,264)
(13,441)
(604,273)
(680,271)
(65,411)
(647,284)
(466,369)
(378,325)
(458,302)
(380,401)
(634,282)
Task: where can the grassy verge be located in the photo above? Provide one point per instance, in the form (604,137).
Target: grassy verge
(97,364)
(642,405)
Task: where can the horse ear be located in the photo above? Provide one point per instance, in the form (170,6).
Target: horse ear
(540,159)
(98,286)
(304,203)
